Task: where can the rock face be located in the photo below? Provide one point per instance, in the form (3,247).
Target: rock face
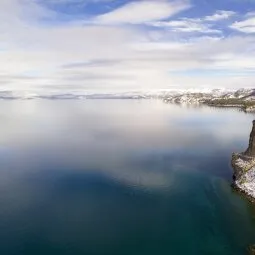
(251,250)
(244,173)
(244,168)
(251,149)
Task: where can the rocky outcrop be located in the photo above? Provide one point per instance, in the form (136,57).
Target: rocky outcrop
(251,149)
(244,173)
(244,168)
(251,250)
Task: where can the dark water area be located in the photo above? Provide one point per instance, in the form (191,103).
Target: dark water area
(121,177)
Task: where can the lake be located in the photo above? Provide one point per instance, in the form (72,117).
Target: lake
(121,177)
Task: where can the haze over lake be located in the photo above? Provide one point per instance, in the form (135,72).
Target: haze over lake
(121,177)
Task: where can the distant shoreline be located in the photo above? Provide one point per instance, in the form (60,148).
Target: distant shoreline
(246,106)
(243,99)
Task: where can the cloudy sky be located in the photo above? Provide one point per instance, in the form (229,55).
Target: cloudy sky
(108,45)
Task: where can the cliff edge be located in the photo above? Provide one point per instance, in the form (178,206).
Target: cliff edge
(244,168)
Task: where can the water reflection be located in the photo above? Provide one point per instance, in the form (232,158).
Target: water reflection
(120,177)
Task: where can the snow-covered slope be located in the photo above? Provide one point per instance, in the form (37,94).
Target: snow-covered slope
(209,96)
(171,95)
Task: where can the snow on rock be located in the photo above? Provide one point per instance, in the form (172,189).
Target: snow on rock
(244,167)
(244,172)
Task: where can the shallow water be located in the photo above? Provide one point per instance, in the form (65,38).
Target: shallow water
(121,177)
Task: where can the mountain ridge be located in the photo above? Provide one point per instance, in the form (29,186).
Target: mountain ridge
(244,97)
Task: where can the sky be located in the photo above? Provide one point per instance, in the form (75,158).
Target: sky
(123,45)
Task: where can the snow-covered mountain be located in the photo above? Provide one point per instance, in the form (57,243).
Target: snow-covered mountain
(191,96)
(210,96)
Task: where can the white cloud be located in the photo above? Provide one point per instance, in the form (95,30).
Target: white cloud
(200,25)
(245,26)
(75,1)
(250,14)
(143,11)
(186,25)
(220,15)
(76,57)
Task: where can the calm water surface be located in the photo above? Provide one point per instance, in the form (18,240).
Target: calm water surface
(121,177)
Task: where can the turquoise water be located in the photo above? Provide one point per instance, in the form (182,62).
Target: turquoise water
(121,177)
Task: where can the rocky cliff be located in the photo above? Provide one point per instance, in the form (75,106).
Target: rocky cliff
(244,168)
(251,149)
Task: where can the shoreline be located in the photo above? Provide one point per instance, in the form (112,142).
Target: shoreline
(240,99)
(243,182)
(242,107)
(244,174)
(250,198)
